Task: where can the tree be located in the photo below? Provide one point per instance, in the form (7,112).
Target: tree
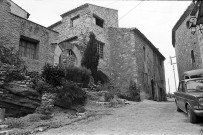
(90,59)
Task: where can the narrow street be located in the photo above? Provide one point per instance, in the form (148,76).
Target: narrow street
(145,118)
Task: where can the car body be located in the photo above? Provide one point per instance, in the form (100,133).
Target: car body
(189,98)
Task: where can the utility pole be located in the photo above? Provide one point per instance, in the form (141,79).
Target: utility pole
(173,71)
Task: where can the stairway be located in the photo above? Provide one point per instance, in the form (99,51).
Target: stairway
(4,130)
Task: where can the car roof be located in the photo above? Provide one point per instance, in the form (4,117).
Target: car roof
(194,72)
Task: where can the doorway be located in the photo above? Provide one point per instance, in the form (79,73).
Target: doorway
(153,92)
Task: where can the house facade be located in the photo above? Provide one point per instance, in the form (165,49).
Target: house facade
(188,45)
(33,41)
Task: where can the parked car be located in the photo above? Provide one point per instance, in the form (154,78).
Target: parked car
(189,98)
(197,73)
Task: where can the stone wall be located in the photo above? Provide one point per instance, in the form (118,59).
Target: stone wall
(123,61)
(185,42)
(127,63)
(12,27)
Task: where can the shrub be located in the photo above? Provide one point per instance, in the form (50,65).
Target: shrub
(42,87)
(53,74)
(70,94)
(78,75)
(133,93)
(14,75)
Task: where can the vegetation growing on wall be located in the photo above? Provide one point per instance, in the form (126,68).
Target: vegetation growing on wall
(90,59)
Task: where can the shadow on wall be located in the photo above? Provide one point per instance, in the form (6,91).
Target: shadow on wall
(103,78)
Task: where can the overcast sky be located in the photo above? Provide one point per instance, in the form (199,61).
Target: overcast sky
(155,19)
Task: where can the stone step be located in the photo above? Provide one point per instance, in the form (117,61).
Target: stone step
(3,127)
(5,132)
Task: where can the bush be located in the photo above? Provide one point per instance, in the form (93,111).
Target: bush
(70,94)
(133,93)
(78,75)
(53,74)
(14,75)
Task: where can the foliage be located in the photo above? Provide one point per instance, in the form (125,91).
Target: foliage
(77,75)
(9,56)
(71,94)
(11,64)
(90,59)
(53,74)
(42,87)
(14,75)
(133,93)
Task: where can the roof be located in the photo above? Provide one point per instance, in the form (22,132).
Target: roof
(33,22)
(74,10)
(181,20)
(28,14)
(148,42)
(54,25)
(81,7)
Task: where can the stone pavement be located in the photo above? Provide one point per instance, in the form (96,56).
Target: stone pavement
(145,118)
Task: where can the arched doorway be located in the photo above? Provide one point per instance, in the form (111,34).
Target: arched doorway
(68,58)
(67,53)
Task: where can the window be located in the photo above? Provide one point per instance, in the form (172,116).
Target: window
(99,21)
(28,48)
(100,49)
(144,50)
(75,21)
(192,57)
(71,53)
(160,62)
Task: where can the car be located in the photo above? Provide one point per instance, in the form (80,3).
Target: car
(197,73)
(189,98)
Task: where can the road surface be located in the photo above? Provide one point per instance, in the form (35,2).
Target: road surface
(144,118)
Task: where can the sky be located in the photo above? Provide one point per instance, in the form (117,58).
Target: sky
(155,19)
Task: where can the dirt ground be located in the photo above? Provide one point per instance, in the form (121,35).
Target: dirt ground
(145,118)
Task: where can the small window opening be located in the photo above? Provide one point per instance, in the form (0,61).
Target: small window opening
(99,21)
(192,56)
(75,21)
(144,50)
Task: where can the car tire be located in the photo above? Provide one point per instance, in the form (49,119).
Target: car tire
(191,115)
(177,108)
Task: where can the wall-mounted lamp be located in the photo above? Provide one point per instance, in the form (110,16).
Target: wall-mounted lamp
(200,28)
(191,24)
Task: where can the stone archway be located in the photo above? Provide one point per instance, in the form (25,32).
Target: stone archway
(63,51)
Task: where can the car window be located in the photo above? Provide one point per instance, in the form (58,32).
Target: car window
(180,87)
(195,85)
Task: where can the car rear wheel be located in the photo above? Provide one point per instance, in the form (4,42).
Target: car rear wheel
(191,115)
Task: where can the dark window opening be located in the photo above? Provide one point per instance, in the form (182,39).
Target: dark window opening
(99,21)
(75,21)
(71,53)
(192,57)
(100,49)
(144,50)
(160,62)
(28,48)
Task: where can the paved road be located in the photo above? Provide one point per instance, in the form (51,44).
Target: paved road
(145,118)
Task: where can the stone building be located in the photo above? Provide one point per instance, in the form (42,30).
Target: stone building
(126,55)
(187,45)
(33,41)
